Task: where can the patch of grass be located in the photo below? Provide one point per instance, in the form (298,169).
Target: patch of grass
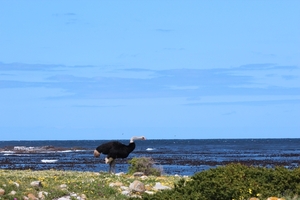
(93,185)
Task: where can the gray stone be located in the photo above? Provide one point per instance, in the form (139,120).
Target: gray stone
(159,186)
(138,174)
(42,195)
(116,184)
(119,174)
(64,198)
(124,188)
(63,186)
(127,193)
(16,184)
(83,196)
(149,192)
(36,184)
(12,193)
(137,186)
(144,177)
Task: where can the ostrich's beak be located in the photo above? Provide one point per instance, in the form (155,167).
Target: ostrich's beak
(96,153)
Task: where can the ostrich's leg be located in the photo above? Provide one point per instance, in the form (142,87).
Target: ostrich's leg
(108,160)
(112,166)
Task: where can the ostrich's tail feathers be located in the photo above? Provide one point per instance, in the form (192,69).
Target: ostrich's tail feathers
(96,153)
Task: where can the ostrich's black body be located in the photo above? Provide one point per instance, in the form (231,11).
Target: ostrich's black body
(116,149)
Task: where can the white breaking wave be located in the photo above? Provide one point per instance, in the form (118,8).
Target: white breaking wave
(43,149)
(16,154)
(48,161)
(69,151)
(7,152)
(65,151)
(23,148)
(149,149)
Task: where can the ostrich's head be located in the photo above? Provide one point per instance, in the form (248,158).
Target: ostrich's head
(137,138)
(96,153)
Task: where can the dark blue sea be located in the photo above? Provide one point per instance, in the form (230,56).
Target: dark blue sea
(182,157)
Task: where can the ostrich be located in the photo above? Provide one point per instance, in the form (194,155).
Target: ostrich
(115,150)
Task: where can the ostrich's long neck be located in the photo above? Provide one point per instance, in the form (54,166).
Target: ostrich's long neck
(131,147)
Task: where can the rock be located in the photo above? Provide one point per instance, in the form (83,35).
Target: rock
(148,187)
(137,186)
(124,188)
(149,192)
(127,193)
(13,193)
(83,196)
(138,174)
(73,194)
(36,184)
(2,192)
(119,174)
(42,195)
(31,196)
(16,184)
(159,186)
(136,196)
(64,198)
(111,185)
(144,177)
(295,197)
(63,186)
(275,198)
(116,184)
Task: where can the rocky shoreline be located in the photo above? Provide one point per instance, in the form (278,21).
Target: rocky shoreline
(80,159)
(34,150)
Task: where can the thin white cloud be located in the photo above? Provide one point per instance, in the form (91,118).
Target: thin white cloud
(187,83)
(248,103)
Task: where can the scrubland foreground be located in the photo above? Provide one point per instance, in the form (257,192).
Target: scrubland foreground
(233,181)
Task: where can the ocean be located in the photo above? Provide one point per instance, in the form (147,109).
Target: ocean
(182,157)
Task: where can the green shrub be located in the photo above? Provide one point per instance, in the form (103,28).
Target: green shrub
(235,181)
(143,164)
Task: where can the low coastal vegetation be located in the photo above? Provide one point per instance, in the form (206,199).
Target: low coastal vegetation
(236,182)
(233,181)
(145,165)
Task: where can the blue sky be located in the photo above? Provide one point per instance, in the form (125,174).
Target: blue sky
(164,69)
